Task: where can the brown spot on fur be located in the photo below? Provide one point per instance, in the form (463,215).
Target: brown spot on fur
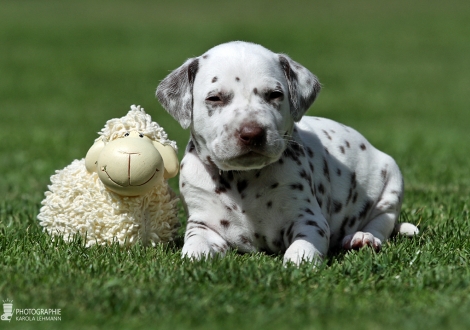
(337,206)
(352,221)
(309,211)
(191,146)
(326,171)
(311,166)
(327,135)
(310,152)
(224,185)
(311,223)
(321,189)
(224,223)
(244,239)
(365,209)
(297,186)
(241,185)
(383,173)
(354,198)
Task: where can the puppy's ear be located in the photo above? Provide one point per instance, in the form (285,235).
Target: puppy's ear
(303,86)
(175,92)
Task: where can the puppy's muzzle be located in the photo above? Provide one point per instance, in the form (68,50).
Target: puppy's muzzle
(251,135)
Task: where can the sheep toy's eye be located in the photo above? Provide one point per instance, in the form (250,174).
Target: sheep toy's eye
(127,134)
(141,135)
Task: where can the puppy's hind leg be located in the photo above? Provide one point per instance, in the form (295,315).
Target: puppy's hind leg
(384,216)
(373,234)
(378,231)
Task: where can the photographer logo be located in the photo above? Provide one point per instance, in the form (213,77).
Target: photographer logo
(7,310)
(29,314)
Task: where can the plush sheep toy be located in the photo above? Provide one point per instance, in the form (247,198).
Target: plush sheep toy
(118,192)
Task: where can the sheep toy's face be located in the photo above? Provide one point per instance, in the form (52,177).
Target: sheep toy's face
(129,166)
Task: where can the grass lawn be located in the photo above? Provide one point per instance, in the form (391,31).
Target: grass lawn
(397,71)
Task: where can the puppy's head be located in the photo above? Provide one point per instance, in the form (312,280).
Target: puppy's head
(240,101)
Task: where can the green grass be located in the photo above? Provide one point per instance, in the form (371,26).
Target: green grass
(397,71)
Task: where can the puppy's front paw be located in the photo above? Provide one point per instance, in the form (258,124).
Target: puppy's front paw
(361,239)
(197,249)
(300,252)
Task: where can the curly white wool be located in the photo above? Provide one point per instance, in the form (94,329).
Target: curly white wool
(78,203)
(136,119)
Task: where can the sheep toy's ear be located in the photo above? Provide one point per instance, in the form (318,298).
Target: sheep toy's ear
(91,159)
(170,159)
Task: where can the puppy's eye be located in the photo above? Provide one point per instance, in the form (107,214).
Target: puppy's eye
(219,98)
(214,99)
(141,135)
(276,96)
(127,134)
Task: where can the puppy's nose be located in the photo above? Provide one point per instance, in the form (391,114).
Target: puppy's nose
(251,135)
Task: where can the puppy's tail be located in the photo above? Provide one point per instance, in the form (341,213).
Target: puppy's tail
(405,229)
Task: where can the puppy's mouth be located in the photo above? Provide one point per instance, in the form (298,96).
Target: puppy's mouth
(237,155)
(249,160)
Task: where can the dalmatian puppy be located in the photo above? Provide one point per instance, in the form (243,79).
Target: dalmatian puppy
(258,176)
